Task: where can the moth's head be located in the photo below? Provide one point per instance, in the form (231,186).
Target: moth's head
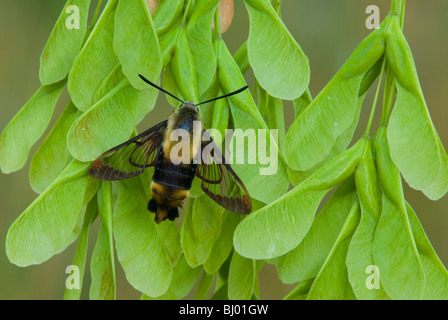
(189,105)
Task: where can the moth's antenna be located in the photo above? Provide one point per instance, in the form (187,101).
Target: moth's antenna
(225,96)
(156,86)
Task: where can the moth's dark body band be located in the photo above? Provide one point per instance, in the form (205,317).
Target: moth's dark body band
(173,175)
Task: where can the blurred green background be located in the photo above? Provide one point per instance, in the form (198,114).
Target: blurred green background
(327,30)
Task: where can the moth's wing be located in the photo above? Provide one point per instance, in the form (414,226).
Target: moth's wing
(219,181)
(130,158)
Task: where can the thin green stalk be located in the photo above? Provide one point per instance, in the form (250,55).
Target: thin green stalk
(276,5)
(106,213)
(388,96)
(375,100)
(94,19)
(255,88)
(184,17)
(397,7)
(307,95)
(256,293)
(96,14)
(402,14)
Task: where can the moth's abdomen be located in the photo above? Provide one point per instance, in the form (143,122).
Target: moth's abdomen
(173,175)
(169,187)
(165,201)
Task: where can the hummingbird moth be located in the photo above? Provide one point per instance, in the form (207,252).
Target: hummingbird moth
(172,179)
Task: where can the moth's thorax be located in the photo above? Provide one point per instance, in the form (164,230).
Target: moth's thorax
(186,119)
